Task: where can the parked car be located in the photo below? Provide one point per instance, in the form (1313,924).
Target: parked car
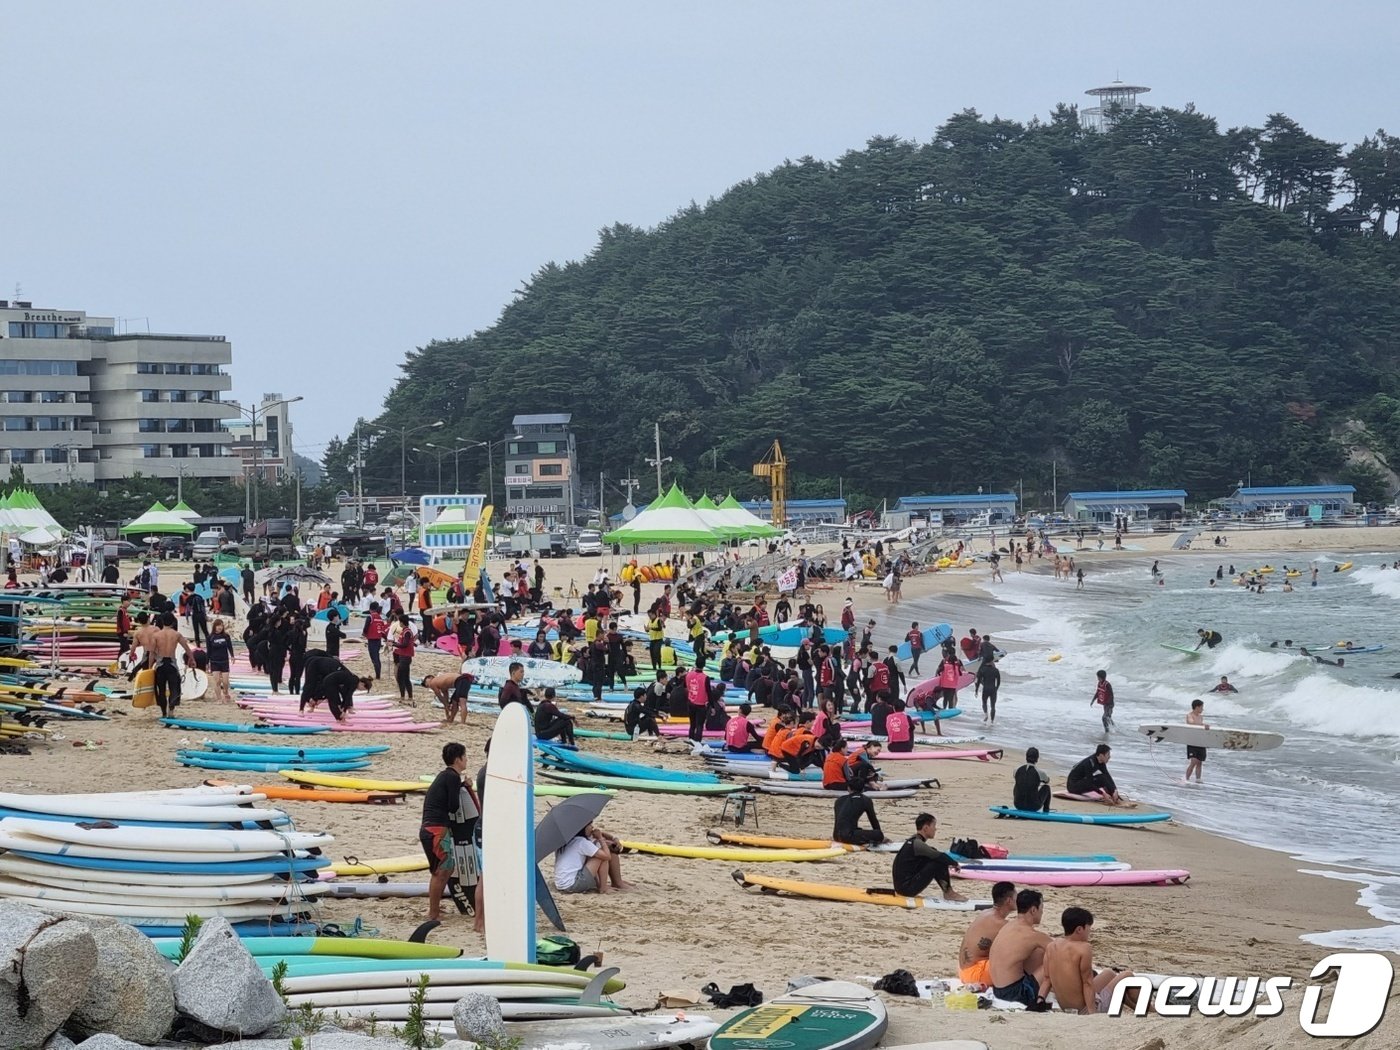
(590,543)
(112,549)
(208,542)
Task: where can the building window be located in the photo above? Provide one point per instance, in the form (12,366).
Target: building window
(146,368)
(205,426)
(179,451)
(515,494)
(21,455)
(150,395)
(97,330)
(521,448)
(205,450)
(547,492)
(521,469)
(16,423)
(551,470)
(53,397)
(150,451)
(178,395)
(28,330)
(547,448)
(149,426)
(38,368)
(49,423)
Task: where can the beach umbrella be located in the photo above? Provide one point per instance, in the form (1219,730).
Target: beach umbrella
(671,519)
(565,820)
(295,574)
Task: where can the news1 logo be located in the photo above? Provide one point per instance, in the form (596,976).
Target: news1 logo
(1358,996)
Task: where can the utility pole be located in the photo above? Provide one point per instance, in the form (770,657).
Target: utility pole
(630,483)
(659,459)
(602,512)
(296,521)
(359,482)
(1054,483)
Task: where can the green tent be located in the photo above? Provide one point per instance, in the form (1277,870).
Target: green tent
(670,519)
(754,527)
(158,521)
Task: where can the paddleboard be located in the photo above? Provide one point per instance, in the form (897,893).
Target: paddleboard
(274,865)
(173,840)
(126,881)
(489,973)
(1352,650)
(1216,736)
(1082,818)
(241,727)
(510,1011)
(827,852)
(853,894)
(130,895)
(99,807)
(830,1015)
(508,838)
(579,762)
(296,752)
(385,866)
(613,1033)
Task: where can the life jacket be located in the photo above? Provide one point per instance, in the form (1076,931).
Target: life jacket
(697,691)
(879,678)
(773,739)
(797,743)
(970,646)
(898,727)
(949,675)
(736,731)
(834,771)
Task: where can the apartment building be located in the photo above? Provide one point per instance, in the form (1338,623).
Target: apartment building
(80,401)
(541,469)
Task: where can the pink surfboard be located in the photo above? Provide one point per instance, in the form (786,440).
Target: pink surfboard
(981,754)
(1169,877)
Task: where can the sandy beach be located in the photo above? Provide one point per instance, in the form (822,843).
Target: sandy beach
(688,923)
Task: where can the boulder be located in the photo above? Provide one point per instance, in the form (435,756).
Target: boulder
(477,1018)
(59,1041)
(104,1041)
(46,962)
(220,989)
(328,1040)
(130,995)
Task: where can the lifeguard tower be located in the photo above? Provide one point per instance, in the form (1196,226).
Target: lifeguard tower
(1116,100)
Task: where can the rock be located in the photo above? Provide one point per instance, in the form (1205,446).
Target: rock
(459,1044)
(220,988)
(130,995)
(46,962)
(477,1018)
(59,1041)
(104,1041)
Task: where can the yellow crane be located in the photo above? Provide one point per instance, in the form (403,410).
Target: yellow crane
(773,466)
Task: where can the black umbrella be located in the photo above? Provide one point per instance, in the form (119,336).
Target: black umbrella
(566,820)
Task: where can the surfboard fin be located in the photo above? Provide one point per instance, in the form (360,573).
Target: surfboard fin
(420,935)
(545,900)
(594,992)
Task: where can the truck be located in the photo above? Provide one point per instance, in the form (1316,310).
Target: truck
(540,544)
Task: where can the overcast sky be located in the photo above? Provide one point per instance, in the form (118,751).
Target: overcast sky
(330,184)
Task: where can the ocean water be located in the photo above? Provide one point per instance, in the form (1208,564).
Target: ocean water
(1330,794)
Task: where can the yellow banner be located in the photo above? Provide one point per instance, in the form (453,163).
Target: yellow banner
(476,557)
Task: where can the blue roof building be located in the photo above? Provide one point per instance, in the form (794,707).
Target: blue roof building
(1140,503)
(1281,497)
(801,511)
(951,509)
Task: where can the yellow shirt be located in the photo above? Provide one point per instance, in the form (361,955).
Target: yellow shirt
(590,629)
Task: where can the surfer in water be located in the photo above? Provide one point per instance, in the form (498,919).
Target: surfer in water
(1338,662)
(1103,694)
(1224,686)
(1210,639)
(1195,756)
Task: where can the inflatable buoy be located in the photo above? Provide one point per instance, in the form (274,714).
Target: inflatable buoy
(1054,658)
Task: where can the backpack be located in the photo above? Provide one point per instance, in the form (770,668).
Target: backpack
(556,950)
(970,848)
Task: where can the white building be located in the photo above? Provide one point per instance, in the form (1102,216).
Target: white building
(264,446)
(80,402)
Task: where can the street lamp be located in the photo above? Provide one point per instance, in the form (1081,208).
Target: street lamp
(403,433)
(250,491)
(491,465)
(456,452)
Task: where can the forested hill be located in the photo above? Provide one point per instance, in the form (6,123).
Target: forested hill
(1162,304)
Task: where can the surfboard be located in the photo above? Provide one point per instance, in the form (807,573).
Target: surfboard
(495,670)
(508,838)
(1180,649)
(1034,877)
(817,791)
(728,854)
(830,1015)
(1216,736)
(933,637)
(620,1033)
(194,684)
(982,754)
(1082,818)
(660,787)
(144,694)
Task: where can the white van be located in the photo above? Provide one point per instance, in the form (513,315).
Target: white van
(208,542)
(590,543)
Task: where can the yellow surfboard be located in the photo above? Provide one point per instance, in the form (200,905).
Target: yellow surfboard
(853,894)
(386,866)
(330,780)
(145,688)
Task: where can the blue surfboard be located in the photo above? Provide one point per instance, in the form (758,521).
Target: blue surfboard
(1082,818)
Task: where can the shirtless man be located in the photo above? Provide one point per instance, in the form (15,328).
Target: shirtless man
(977,941)
(1016,962)
(1069,967)
(451,691)
(141,640)
(164,642)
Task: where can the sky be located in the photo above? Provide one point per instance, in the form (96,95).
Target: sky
(330,184)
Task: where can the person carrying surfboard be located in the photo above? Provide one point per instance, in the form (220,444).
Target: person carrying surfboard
(1195,756)
(919,862)
(915,638)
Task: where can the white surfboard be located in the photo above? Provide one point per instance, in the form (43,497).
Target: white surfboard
(1196,736)
(614,1033)
(194,684)
(175,840)
(495,670)
(508,839)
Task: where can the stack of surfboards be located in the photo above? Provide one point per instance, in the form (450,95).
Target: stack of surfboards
(370,714)
(363,977)
(258,758)
(152,858)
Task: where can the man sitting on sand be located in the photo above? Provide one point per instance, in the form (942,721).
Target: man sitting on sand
(973,968)
(1016,961)
(1030,785)
(550,722)
(849,809)
(589,863)
(1069,967)
(1091,777)
(920,862)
